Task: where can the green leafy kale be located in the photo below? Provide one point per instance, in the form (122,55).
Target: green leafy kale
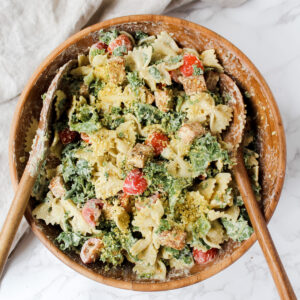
(197,71)
(217,97)
(172,121)
(85,119)
(96,51)
(70,240)
(112,250)
(205,150)
(77,176)
(175,59)
(185,254)
(163,225)
(134,81)
(108,36)
(113,119)
(239,230)
(120,51)
(148,114)
(95,87)
(139,35)
(158,178)
(201,227)
(154,72)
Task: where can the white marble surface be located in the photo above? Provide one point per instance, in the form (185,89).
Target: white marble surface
(269,33)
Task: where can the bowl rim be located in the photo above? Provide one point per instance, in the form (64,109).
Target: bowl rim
(147,286)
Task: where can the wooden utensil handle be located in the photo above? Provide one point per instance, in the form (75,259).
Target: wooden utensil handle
(14,216)
(280,277)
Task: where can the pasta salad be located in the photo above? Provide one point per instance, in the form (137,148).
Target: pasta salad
(137,169)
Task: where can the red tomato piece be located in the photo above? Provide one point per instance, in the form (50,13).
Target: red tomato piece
(202,257)
(121,40)
(100,45)
(85,137)
(67,136)
(91,211)
(158,141)
(90,250)
(190,60)
(135,183)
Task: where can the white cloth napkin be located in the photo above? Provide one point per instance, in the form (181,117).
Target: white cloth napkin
(30,30)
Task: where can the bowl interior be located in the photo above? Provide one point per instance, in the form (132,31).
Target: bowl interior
(264,113)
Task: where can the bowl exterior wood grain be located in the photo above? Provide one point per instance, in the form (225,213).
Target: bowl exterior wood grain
(270,133)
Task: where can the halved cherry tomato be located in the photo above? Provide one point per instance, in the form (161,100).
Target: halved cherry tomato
(67,136)
(202,257)
(90,250)
(121,40)
(190,60)
(158,141)
(85,137)
(91,211)
(135,183)
(100,45)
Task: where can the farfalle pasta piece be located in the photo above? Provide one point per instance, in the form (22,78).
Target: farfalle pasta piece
(201,106)
(110,96)
(215,236)
(231,213)
(177,165)
(220,118)
(164,46)
(209,59)
(139,58)
(216,191)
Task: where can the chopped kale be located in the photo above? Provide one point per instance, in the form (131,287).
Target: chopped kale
(163,225)
(120,51)
(85,119)
(154,72)
(174,59)
(96,51)
(148,114)
(197,71)
(139,35)
(239,230)
(95,87)
(201,227)
(70,240)
(77,176)
(185,254)
(112,122)
(172,121)
(108,36)
(217,97)
(205,150)
(134,81)
(159,179)
(112,250)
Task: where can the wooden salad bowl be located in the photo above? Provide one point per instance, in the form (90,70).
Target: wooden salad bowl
(265,114)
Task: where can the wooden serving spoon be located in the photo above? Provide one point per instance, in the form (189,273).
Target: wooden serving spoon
(37,156)
(234,137)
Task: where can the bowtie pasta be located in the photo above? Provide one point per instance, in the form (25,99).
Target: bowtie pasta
(137,169)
